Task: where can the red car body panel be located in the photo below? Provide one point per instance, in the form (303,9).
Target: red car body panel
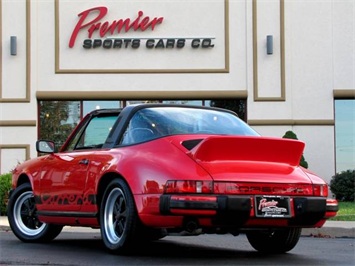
(248,148)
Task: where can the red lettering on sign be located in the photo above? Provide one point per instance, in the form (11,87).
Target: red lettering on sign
(264,203)
(116,26)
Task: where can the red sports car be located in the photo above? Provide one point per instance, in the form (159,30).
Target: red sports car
(145,171)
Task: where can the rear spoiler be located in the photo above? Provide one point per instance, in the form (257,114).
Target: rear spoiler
(248,148)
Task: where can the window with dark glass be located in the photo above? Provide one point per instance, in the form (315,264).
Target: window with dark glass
(345,134)
(57,119)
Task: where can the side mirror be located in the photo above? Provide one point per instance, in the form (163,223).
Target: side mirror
(45,146)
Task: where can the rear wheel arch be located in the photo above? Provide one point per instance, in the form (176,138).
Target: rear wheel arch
(118,218)
(105,180)
(274,241)
(141,232)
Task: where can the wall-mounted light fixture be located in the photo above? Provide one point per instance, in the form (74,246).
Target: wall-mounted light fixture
(13,45)
(269,44)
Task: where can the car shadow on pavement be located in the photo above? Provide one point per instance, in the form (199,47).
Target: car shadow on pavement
(178,252)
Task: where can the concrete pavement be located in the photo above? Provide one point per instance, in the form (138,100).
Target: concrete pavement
(330,229)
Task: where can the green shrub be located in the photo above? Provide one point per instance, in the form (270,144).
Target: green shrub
(343,185)
(291,135)
(5,185)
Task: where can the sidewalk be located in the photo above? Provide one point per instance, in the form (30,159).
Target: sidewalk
(330,229)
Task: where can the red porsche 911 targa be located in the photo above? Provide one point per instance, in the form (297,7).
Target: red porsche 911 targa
(145,171)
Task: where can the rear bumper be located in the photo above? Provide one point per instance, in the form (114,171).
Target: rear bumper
(240,210)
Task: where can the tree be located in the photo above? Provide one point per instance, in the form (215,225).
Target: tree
(238,106)
(343,185)
(53,124)
(291,135)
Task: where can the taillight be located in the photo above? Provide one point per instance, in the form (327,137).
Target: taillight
(265,189)
(188,186)
(238,188)
(320,190)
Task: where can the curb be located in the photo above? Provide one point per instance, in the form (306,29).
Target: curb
(329,232)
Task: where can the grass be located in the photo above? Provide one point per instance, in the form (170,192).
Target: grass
(346,212)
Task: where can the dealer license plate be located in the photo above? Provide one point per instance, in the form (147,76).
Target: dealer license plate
(272,206)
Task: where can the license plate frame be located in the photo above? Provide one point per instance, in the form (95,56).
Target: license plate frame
(267,206)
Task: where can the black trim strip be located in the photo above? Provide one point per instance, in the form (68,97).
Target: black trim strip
(332,208)
(68,214)
(175,204)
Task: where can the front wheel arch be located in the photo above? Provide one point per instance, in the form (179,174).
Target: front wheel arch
(23,219)
(22,179)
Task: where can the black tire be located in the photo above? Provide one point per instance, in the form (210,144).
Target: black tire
(118,217)
(274,241)
(23,219)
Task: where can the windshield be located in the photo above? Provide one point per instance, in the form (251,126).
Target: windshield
(154,122)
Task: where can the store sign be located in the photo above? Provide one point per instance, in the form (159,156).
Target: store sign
(109,29)
(140,35)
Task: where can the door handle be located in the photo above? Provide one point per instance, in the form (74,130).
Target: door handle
(84,161)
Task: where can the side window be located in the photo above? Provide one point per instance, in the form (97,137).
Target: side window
(94,134)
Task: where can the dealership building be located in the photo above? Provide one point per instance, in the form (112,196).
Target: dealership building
(282,65)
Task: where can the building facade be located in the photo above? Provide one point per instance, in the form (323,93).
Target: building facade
(286,65)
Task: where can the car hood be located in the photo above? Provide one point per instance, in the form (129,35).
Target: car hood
(250,158)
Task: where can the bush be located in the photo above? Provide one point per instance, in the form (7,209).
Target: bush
(343,185)
(5,185)
(290,135)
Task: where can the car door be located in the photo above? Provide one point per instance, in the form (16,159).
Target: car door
(63,178)
(62,181)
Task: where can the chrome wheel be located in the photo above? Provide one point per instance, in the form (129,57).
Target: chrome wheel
(118,217)
(25,215)
(115,215)
(23,218)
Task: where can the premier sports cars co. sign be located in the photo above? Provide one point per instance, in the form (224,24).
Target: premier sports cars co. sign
(141,36)
(110,29)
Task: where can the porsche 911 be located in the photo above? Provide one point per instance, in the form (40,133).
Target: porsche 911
(146,171)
